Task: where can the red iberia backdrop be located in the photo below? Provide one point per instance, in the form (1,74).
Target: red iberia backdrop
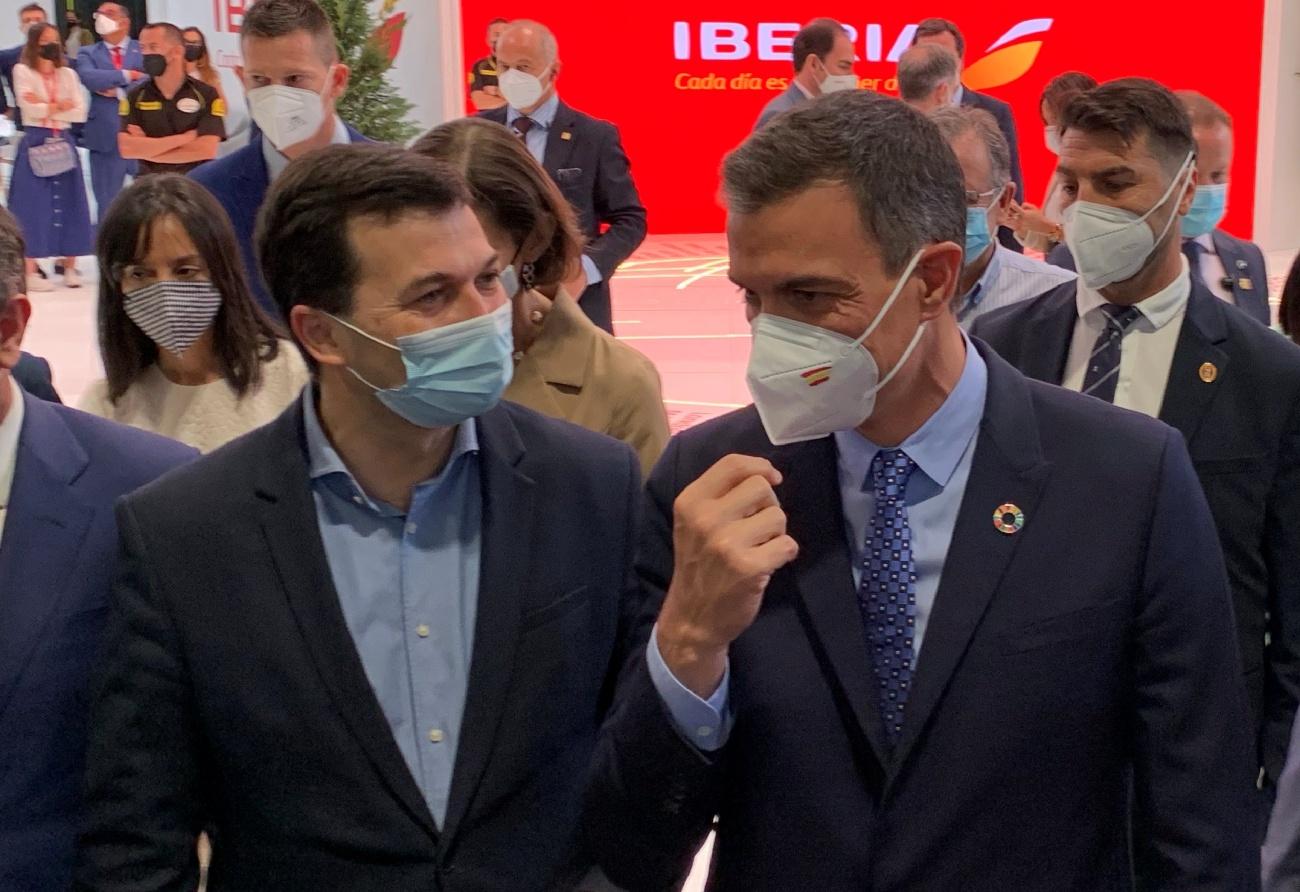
(685,81)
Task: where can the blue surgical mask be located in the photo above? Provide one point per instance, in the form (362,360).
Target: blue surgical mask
(453,373)
(978,237)
(1208,208)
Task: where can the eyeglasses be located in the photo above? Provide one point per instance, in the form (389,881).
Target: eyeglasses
(980,199)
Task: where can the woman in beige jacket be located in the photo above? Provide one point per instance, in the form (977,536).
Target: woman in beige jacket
(565,366)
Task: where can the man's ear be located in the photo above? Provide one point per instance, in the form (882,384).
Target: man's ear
(317,335)
(13,325)
(939,269)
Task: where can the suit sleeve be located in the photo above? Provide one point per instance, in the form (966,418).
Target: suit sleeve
(1196,819)
(1013,142)
(97,79)
(653,795)
(143,793)
(1282,556)
(618,206)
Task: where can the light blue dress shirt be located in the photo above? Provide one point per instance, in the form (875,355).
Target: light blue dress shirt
(543,118)
(408,586)
(943,449)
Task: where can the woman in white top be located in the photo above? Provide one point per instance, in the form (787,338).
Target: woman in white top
(1040,228)
(47,193)
(187,352)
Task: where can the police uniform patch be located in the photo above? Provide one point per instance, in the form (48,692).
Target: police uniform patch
(124,108)
(189,106)
(149,105)
(219,108)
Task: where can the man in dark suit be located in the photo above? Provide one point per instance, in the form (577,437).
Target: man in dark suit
(823,63)
(582,154)
(291,61)
(107,69)
(948,510)
(34,376)
(370,645)
(946,33)
(1138,332)
(1230,268)
(60,473)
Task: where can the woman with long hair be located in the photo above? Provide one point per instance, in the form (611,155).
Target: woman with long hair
(48,193)
(187,352)
(198,63)
(565,366)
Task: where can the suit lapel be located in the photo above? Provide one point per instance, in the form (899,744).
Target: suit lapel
(508,505)
(1236,267)
(823,580)
(288,520)
(560,139)
(44,528)
(1007,468)
(1196,358)
(1046,340)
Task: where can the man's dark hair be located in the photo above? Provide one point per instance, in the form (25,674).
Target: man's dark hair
(175,36)
(269,19)
(1133,108)
(922,69)
(933,27)
(906,181)
(303,246)
(1061,90)
(1203,110)
(817,38)
(955,122)
(13,253)
(1289,312)
(32,7)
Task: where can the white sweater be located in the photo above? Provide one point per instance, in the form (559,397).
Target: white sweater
(41,113)
(207,415)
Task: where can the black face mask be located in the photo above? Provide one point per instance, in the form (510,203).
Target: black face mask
(193,52)
(51,52)
(155,64)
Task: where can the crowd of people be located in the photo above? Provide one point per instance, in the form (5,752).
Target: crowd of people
(345,575)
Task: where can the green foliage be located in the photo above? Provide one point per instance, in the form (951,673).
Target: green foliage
(372,105)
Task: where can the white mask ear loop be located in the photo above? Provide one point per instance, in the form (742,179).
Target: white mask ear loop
(1184,176)
(889,302)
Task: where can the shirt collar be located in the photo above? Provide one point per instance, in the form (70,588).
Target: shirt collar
(10,429)
(543,116)
(1159,309)
(1206,242)
(938,445)
(276,163)
(324,461)
(804,90)
(981,288)
(957,94)
(126,41)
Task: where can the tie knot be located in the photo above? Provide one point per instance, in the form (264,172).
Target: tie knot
(1120,317)
(523,124)
(890,471)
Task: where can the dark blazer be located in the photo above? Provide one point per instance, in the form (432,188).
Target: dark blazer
(791,97)
(585,158)
(1098,638)
(34,376)
(95,67)
(233,695)
(1242,260)
(56,567)
(8,59)
(1281,854)
(1243,433)
(240,181)
(1007,124)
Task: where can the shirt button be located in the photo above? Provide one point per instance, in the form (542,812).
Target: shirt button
(435,735)
(422,630)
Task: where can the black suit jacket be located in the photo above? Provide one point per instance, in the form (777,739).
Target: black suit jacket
(1243,262)
(1097,638)
(1243,432)
(34,376)
(232,695)
(1007,124)
(585,158)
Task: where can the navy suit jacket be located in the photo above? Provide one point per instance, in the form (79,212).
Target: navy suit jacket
(585,158)
(34,376)
(792,97)
(1001,111)
(1097,639)
(1243,432)
(233,695)
(95,67)
(240,181)
(56,565)
(1242,260)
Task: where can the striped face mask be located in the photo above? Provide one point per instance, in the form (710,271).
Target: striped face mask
(174,314)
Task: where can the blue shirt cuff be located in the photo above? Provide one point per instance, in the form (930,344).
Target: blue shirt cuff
(593,273)
(705,723)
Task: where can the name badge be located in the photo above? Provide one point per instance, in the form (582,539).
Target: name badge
(189,106)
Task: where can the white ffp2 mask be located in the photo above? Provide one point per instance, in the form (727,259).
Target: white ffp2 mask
(808,382)
(287,115)
(521,89)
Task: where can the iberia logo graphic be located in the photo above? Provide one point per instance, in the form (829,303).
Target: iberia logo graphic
(817,376)
(1007,59)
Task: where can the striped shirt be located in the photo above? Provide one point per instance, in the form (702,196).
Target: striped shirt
(1009,279)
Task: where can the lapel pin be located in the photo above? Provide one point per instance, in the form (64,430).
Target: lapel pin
(1209,372)
(566,135)
(1246,283)
(1241,264)
(1009,519)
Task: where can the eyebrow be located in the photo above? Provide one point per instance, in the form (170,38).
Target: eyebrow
(443,278)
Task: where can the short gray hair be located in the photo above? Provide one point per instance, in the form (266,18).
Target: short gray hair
(906,181)
(550,46)
(13,258)
(923,68)
(955,123)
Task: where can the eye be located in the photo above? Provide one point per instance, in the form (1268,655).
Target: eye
(488,281)
(805,298)
(1070,189)
(189,272)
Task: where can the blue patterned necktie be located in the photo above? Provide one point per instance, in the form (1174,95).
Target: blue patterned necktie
(1103,365)
(887,596)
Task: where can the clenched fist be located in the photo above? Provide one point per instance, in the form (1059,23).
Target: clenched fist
(728,539)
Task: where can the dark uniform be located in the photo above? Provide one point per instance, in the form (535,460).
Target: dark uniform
(483,74)
(196,106)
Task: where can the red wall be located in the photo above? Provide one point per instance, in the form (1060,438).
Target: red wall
(619,62)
